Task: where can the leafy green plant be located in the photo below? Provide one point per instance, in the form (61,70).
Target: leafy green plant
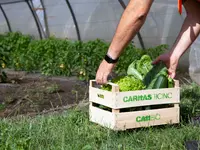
(129,54)
(190,103)
(62,57)
(154,52)
(126,83)
(91,54)
(3,61)
(3,76)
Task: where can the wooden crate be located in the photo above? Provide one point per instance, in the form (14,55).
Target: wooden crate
(122,107)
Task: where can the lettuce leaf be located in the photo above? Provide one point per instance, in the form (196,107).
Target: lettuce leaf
(139,68)
(132,71)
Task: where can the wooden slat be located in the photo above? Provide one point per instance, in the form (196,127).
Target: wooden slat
(157,96)
(115,111)
(176,82)
(102,117)
(92,83)
(107,99)
(128,120)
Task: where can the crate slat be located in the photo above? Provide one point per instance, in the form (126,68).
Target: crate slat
(129,120)
(147,97)
(95,96)
(102,117)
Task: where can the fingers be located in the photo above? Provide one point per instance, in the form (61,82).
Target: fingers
(98,79)
(172,74)
(101,78)
(103,72)
(105,77)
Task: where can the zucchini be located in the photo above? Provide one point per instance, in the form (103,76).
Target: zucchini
(152,75)
(161,82)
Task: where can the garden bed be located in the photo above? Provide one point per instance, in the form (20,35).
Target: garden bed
(31,94)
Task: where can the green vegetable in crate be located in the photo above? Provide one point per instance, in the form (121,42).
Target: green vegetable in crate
(161,82)
(170,82)
(141,74)
(139,68)
(126,83)
(133,71)
(158,78)
(152,75)
(144,65)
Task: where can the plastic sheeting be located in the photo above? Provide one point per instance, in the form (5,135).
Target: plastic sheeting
(99,19)
(194,56)
(163,23)
(95,18)
(19,16)
(3,23)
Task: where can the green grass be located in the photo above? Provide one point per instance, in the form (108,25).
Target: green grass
(72,130)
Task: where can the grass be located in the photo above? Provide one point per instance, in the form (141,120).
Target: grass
(72,130)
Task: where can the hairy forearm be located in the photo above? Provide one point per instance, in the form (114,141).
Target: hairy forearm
(130,23)
(188,34)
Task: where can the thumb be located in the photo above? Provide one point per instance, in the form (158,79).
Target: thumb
(172,74)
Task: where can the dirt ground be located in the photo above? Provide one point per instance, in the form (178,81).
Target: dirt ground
(35,94)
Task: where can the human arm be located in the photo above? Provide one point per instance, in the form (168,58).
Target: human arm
(130,23)
(188,34)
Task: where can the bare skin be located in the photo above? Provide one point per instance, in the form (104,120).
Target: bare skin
(130,23)
(188,34)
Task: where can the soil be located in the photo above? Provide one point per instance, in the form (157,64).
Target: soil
(31,94)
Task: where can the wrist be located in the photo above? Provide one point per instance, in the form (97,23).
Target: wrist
(109,59)
(113,53)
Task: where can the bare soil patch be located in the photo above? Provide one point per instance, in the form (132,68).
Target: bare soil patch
(33,94)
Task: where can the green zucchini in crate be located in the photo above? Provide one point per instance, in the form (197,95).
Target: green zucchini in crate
(161,82)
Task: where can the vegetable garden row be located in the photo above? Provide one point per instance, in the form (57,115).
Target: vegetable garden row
(63,57)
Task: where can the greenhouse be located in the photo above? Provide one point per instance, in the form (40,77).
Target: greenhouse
(90,19)
(50,51)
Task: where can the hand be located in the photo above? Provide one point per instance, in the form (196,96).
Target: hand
(170,61)
(104,70)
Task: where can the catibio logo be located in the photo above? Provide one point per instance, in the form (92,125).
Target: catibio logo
(148,118)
